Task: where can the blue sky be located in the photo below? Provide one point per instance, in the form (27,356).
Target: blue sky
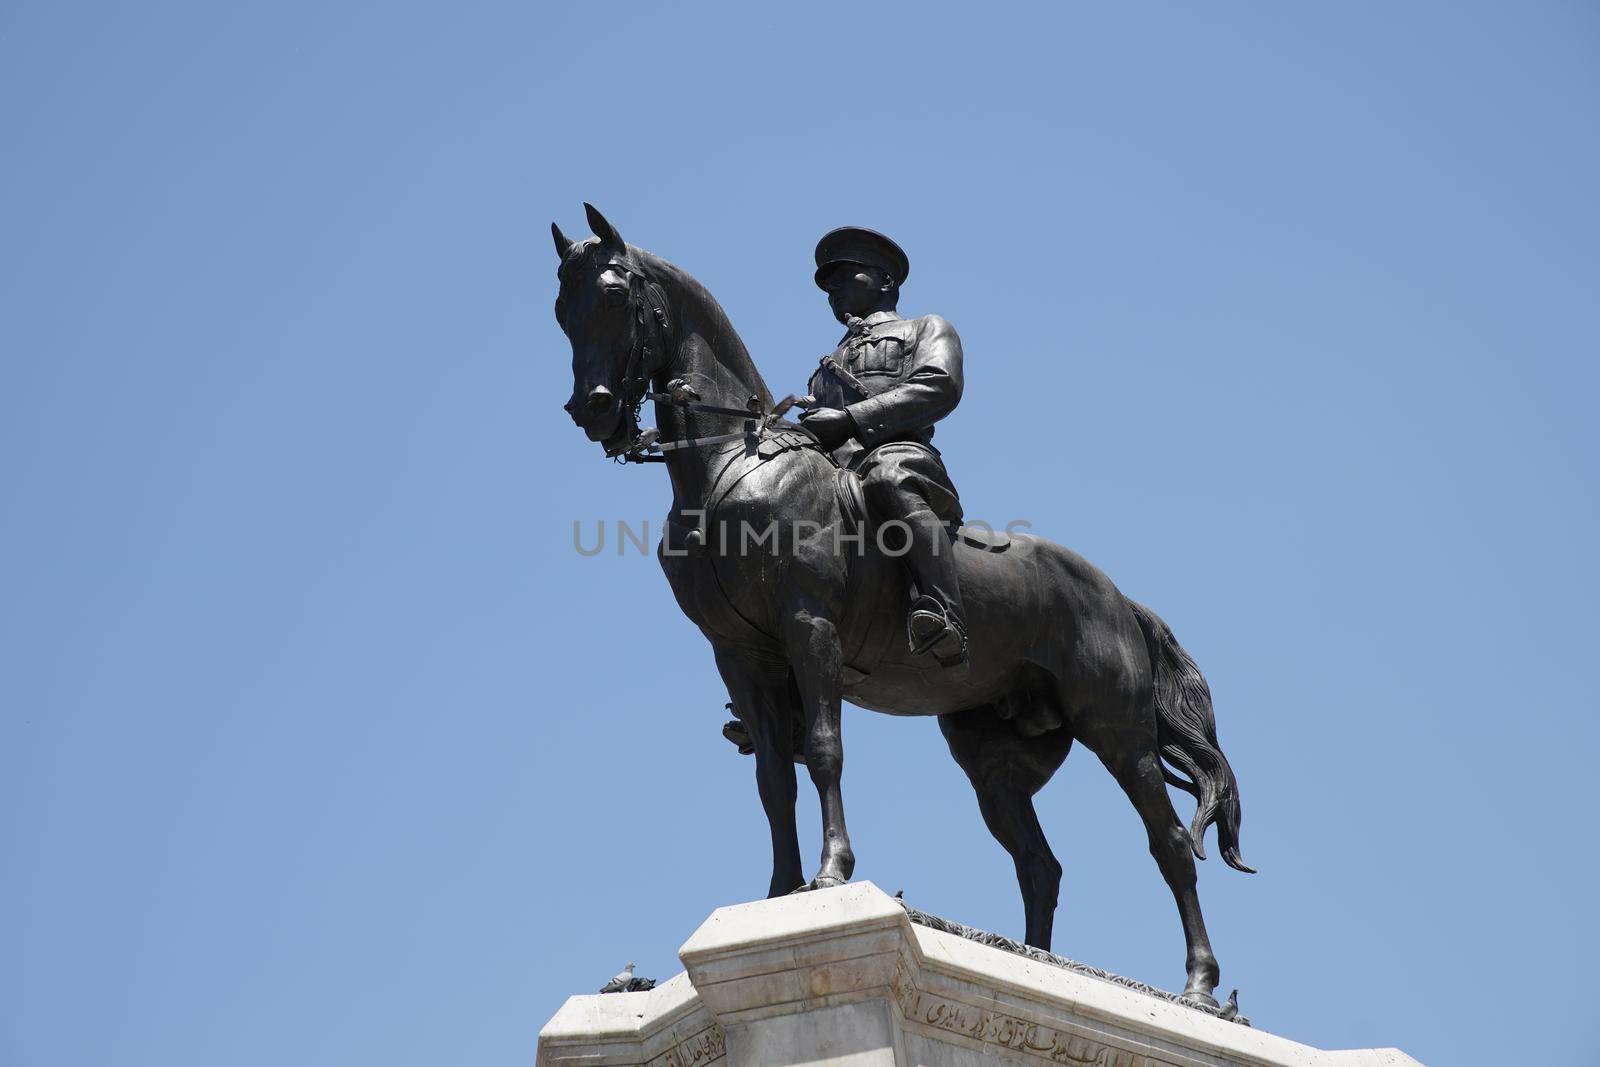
(321,745)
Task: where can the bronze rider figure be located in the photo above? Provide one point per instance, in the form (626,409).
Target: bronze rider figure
(878,395)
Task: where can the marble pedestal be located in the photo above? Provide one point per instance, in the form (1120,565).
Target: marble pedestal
(842,976)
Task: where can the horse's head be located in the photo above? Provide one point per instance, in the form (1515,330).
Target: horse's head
(617,322)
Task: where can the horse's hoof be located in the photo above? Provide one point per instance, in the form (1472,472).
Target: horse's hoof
(737,732)
(1201,1000)
(821,881)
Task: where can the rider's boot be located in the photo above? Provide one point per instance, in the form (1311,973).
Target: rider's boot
(931,630)
(935,624)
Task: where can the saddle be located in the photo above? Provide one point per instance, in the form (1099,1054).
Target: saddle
(788,437)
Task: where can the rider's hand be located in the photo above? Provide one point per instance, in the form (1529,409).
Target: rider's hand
(831,426)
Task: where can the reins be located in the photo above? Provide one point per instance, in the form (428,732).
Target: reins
(652,321)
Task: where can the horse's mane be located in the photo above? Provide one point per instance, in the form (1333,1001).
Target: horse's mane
(699,313)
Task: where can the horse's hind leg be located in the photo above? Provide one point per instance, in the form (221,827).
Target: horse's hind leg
(1006,770)
(1137,768)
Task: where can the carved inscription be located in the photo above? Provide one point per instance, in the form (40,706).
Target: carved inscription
(708,1046)
(1009,1032)
(903,986)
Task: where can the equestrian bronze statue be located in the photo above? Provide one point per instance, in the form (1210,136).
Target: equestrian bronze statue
(776,553)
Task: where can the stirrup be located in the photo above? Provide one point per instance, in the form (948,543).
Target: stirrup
(939,626)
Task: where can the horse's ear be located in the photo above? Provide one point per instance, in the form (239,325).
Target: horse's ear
(609,237)
(564,247)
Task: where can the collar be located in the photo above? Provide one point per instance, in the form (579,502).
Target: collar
(872,322)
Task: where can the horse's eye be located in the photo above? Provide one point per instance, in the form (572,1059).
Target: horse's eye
(614,296)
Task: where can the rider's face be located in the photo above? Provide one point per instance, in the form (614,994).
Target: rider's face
(856,290)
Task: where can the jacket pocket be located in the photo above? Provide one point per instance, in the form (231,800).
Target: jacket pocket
(886,355)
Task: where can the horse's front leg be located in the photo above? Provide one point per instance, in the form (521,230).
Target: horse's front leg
(760,694)
(812,639)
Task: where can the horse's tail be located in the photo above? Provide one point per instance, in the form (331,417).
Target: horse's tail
(1186,733)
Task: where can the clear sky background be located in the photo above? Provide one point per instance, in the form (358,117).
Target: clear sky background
(320,743)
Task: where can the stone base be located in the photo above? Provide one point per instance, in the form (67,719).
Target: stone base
(842,976)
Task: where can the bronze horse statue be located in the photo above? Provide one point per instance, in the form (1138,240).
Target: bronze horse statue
(805,620)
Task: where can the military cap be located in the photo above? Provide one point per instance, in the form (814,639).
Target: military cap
(855,244)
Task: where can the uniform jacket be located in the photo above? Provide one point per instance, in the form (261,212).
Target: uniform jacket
(909,371)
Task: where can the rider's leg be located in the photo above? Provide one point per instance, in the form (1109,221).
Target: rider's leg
(932,563)
(908,483)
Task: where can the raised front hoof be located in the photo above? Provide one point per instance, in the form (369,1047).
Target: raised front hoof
(1201,1000)
(739,735)
(821,881)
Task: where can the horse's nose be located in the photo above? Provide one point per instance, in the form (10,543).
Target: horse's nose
(600,400)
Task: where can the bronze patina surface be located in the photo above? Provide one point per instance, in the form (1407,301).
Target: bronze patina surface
(1023,647)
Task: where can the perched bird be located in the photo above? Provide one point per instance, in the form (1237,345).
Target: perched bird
(1230,1010)
(621,982)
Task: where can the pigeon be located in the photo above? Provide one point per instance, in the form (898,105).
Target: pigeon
(1230,1010)
(621,982)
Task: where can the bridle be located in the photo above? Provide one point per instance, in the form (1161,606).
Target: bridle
(646,357)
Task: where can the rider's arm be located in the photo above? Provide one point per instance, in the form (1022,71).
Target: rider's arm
(928,395)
